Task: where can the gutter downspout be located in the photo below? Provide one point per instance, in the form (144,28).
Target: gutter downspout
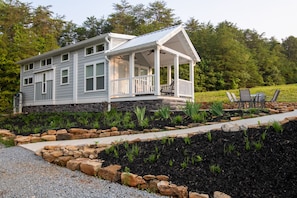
(108,76)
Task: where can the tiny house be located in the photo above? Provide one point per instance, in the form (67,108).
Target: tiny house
(110,70)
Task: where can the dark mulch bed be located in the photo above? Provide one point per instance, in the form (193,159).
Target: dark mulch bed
(232,163)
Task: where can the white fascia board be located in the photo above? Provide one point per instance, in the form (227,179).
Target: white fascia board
(197,57)
(61,50)
(132,49)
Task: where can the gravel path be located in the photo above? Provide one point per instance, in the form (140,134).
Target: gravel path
(25,175)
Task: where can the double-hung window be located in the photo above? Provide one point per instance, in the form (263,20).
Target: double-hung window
(95,76)
(64,76)
(28,81)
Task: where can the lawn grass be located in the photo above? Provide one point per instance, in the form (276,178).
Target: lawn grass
(288,93)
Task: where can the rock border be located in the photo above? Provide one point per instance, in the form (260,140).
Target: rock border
(84,158)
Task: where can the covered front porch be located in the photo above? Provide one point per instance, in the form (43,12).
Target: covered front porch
(139,74)
(159,64)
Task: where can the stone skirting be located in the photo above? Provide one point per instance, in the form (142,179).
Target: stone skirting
(87,107)
(99,107)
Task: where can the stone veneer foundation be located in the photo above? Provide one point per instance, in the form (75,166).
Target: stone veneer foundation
(99,107)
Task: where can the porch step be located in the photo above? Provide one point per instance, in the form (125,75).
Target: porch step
(175,105)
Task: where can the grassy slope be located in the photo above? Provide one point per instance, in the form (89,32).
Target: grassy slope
(288,93)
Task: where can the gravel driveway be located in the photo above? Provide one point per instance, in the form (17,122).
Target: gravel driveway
(23,174)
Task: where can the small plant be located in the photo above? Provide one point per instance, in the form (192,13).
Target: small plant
(247,144)
(216,109)
(170,163)
(277,127)
(245,133)
(209,136)
(127,169)
(7,142)
(199,117)
(263,135)
(152,158)
(140,114)
(198,158)
(215,169)
(177,119)
(164,112)
(229,148)
(258,145)
(191,108)
(112,150)
(187,140)
(184,164)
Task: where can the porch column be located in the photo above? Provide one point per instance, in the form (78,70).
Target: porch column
(176,76)
(157,70)
(169,74)
(131,73)
(192,79)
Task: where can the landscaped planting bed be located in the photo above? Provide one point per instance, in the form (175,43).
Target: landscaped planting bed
(258,162)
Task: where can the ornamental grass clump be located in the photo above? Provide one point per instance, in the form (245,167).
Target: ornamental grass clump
(277,127)
(164,113)
(216,109)
(140,114)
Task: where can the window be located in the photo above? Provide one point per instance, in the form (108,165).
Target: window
(65,57)
(46,62)
(44,86)
(28,67)
(89,50)
(28,81)
(94,49)
(95,77)
(99,48)
(64,76)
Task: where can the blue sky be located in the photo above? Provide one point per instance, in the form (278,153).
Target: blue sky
(272,17)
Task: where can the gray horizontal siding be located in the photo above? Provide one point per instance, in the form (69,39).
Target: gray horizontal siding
(64,91)
(82,60)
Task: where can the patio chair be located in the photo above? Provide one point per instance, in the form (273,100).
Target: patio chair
(229,96)
(234,97)
(168,89)
(259,100)
(245,99)
(275,95)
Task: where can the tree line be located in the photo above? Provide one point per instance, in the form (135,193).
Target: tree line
(230,57)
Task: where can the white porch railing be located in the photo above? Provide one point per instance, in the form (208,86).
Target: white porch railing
(140,85)
(144,84)
(185,88)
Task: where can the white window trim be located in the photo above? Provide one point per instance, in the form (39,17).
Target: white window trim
(46,62)
(28,81)
(62,61)
(94,77)
(61,78)
(44,83)
(94,49)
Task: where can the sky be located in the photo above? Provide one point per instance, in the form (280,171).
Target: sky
(274,18)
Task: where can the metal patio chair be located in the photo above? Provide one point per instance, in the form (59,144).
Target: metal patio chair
(245,99)
(275,96)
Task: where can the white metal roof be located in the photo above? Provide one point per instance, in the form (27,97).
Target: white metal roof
(179,41)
